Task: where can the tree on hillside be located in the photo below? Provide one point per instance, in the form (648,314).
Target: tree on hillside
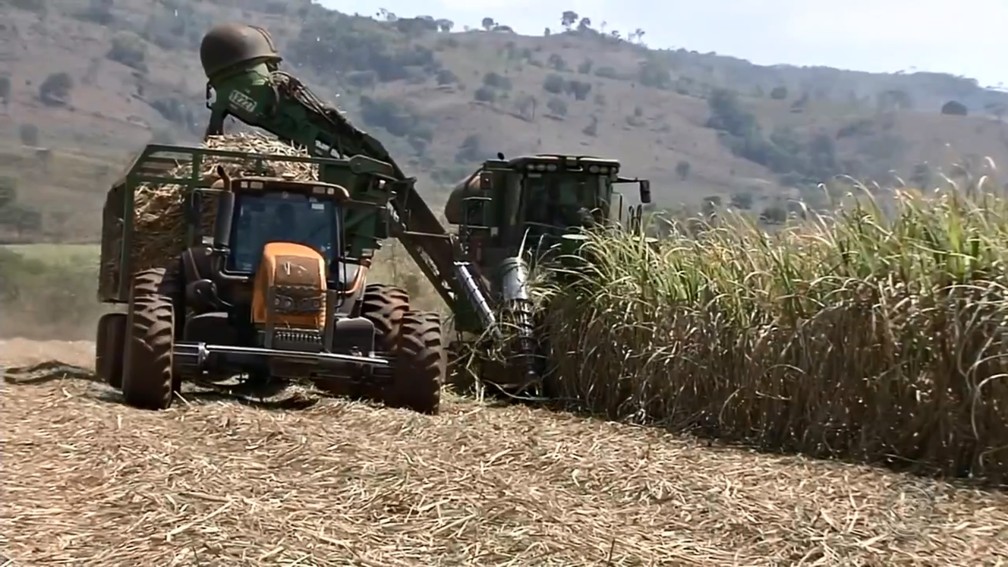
(5,89)
(127,48)
(98,11)
(568,18)
(445,25)
(29,134)
(470,149)
(55,89)
(584,24)
(954,108)
(682,169)
(8,191)
(556,62)
(488,23)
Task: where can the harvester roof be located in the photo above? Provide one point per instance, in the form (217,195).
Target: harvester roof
(563,162)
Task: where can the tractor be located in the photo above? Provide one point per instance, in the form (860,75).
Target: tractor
(261,287)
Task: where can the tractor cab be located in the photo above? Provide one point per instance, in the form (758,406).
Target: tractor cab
(279,245)
(309,214)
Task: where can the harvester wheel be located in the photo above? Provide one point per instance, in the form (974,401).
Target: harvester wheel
(148,381)
(384,305)
(419,364)
(109,343)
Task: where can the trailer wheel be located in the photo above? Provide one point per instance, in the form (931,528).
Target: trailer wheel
(148,381)
(418,364)
(110,340)
(384,305)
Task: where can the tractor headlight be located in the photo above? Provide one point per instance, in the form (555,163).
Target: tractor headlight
(283,302)
(287,304)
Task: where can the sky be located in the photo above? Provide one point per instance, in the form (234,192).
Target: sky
(864,35)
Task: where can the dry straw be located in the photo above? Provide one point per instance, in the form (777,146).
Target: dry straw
(89,482)
(159,212)
(863,335)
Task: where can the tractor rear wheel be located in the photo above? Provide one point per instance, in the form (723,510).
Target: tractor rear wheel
(109,343)
(384,305)
(148,381)
(419,364)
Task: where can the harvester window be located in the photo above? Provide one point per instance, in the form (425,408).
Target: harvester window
(558,199)
(273,217)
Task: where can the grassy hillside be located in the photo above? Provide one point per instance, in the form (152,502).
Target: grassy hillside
(86,82)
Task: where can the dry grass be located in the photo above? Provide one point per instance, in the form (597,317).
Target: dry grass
(89,481)
(863,336)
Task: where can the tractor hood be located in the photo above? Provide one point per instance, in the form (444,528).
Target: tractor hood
(290,287)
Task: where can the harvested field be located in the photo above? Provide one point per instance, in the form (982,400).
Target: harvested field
(88,481)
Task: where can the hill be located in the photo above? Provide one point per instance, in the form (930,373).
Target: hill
(86,82)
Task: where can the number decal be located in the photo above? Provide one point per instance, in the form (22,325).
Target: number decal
(242,101)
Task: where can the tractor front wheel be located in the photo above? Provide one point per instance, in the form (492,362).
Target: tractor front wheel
(419,364)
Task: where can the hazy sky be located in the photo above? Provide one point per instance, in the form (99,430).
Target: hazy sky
(871,35)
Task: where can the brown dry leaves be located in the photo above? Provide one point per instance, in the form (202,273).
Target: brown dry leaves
(89,481)
(160,222)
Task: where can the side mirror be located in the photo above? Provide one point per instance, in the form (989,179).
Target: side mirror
(486,181)
(202,294)
(645,191)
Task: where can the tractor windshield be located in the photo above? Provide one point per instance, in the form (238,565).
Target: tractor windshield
(281,217)
(565,199)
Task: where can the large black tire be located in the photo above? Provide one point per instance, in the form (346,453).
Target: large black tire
(384,305)
(163,282)
(148,382)
(110,340)
(419,363)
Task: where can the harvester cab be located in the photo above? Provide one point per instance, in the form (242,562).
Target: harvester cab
(271,293)
(537,200)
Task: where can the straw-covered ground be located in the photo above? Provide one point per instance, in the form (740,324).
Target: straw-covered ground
(89,481)
(876,334)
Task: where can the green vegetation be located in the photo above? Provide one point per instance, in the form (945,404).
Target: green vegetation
(48,291)
(866,335)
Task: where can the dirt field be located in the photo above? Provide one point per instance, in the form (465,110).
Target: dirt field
(87,481)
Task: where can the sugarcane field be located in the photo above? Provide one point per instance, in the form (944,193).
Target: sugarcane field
(284,284)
